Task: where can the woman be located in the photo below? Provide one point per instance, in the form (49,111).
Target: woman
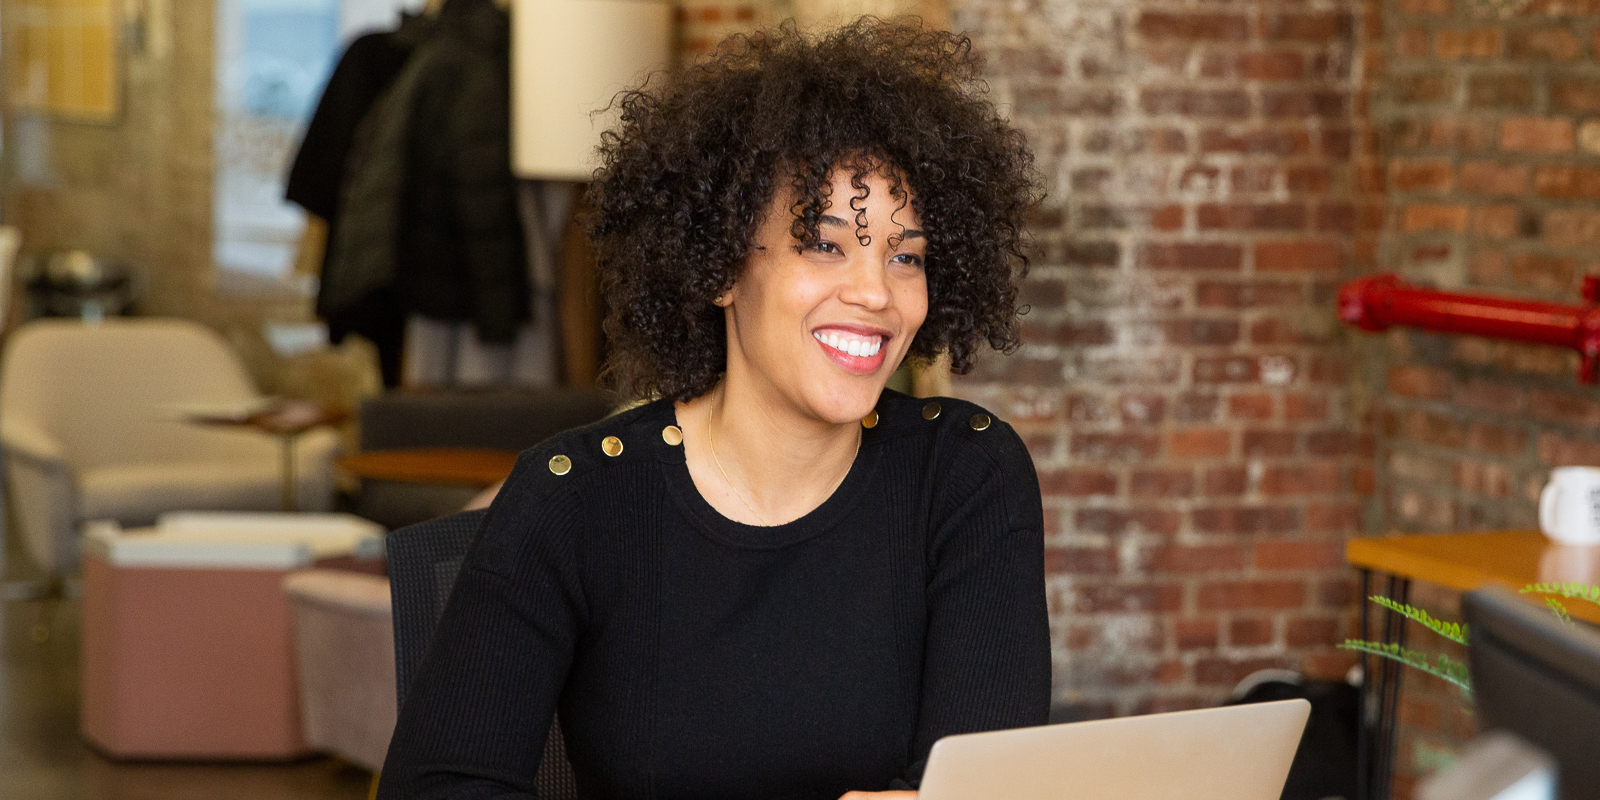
(778,580)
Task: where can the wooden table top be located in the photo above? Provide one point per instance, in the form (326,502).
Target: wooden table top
(452,466)
(1466,561)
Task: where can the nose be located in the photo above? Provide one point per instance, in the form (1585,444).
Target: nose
(866,283)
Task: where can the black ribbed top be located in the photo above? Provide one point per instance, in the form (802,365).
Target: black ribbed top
(693,657)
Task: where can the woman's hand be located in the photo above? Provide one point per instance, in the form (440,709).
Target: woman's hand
(879,796)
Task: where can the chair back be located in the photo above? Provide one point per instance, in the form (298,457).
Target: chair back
(107,391)
(424,560)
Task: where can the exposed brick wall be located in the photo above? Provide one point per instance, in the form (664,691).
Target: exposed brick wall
(1488,110)
(1184,387)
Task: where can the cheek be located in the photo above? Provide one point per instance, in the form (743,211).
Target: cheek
(913,301)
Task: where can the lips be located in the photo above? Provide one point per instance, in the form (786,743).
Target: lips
(859,353)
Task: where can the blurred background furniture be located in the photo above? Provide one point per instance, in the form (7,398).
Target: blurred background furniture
(506,421)
(91,428)
(344,647)
(424,560)
(186,632)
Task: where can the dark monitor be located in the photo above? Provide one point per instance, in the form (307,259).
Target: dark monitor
(1539,678)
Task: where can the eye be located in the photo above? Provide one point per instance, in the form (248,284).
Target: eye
(820,246)
(910,259)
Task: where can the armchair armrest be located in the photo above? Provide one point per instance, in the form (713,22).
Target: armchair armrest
(28,441)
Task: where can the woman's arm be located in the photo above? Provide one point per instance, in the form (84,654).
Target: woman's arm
(986,658)
(475,719)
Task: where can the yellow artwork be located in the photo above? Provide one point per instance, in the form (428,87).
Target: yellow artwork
(61,57)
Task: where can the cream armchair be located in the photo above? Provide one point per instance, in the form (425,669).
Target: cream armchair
(89,431)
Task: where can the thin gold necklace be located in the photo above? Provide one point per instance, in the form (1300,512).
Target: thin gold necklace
(711,439)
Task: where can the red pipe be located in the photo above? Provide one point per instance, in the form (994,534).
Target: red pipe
(1377,302)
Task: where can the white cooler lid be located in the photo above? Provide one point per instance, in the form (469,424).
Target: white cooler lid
(235,540)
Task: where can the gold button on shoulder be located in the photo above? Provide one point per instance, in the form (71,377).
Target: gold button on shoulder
(931,411)
(612,445)
(672,435)
(870,420)
(560,465)
(980,422)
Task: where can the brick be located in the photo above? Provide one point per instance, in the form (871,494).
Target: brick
(1250,631)
(1307,179)
(1087,333)
(1242,595)
(1268,443)
(1575,93)
(1195,407)
(1305,407)
(1141,409)
(1303,256)
(1161,483)
(1485,478)
(1453,43)
(1496,439)
(1279,65)
(1058,100)
(1421,8)
(1300,480)
(1196,558)
(1225,481)
(1194,103)
(1193,27)
(1426,175)
(1550,273)
(1250,406)
(1495,222)
(1338,517)
(1413,43)
(1308,631)
(1272,217)
(1332,442)
(1227,369)
(1299,555)
(1115,446)
(1246,519)
(1276,331)
(1226,672)
(1300,103)
(1113,520)
(1563,408)
(1201,332)
(1195,634)
(1126,598)
(1306,27)
(1572,227)
(1490,178)
(1077,482)
(1431,429)
(1558,450)
(1190,256)
(1509,91)
(1092,254)
(1567,181)
(1265,141)
(1199,443)
(1421,87)
(1248,294)
(1489,396)
(1426,217)
(1413,380)
(1555,44)
(1536,135)
(1080,561)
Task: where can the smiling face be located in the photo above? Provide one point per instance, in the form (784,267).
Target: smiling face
(820,327)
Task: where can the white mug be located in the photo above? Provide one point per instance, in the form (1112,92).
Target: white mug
(1569,506)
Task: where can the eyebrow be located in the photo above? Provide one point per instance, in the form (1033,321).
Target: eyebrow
(831,221)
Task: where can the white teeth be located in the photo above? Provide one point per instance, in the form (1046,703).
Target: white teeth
(850,345)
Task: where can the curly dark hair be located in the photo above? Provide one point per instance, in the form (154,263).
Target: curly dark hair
(690,171)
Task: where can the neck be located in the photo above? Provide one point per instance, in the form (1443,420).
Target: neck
(778,462)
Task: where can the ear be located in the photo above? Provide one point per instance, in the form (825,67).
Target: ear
(722,300)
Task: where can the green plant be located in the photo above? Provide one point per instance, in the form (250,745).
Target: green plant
(1443,666)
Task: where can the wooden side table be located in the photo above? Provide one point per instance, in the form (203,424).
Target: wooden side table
(288,421)
(448,466)
(1463,562)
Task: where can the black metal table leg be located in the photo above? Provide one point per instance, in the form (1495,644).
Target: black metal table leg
(1394,632)
(1364,733)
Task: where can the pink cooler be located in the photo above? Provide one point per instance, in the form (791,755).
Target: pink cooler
(186,631)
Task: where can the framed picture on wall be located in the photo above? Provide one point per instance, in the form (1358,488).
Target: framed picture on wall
(61,57)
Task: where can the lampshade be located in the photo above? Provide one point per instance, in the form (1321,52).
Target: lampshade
(568,59)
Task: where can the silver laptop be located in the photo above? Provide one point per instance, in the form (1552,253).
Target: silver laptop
(1230,753)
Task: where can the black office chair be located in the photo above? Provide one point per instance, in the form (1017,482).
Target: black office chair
(424,560)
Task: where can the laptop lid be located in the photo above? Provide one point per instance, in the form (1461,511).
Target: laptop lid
(1230,753)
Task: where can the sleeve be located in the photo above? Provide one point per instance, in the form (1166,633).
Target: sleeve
(475,721)
(486,202)
(986,658)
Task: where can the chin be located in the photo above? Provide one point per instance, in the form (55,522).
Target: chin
(849,401)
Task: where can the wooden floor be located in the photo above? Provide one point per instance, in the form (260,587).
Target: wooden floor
(42,757)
